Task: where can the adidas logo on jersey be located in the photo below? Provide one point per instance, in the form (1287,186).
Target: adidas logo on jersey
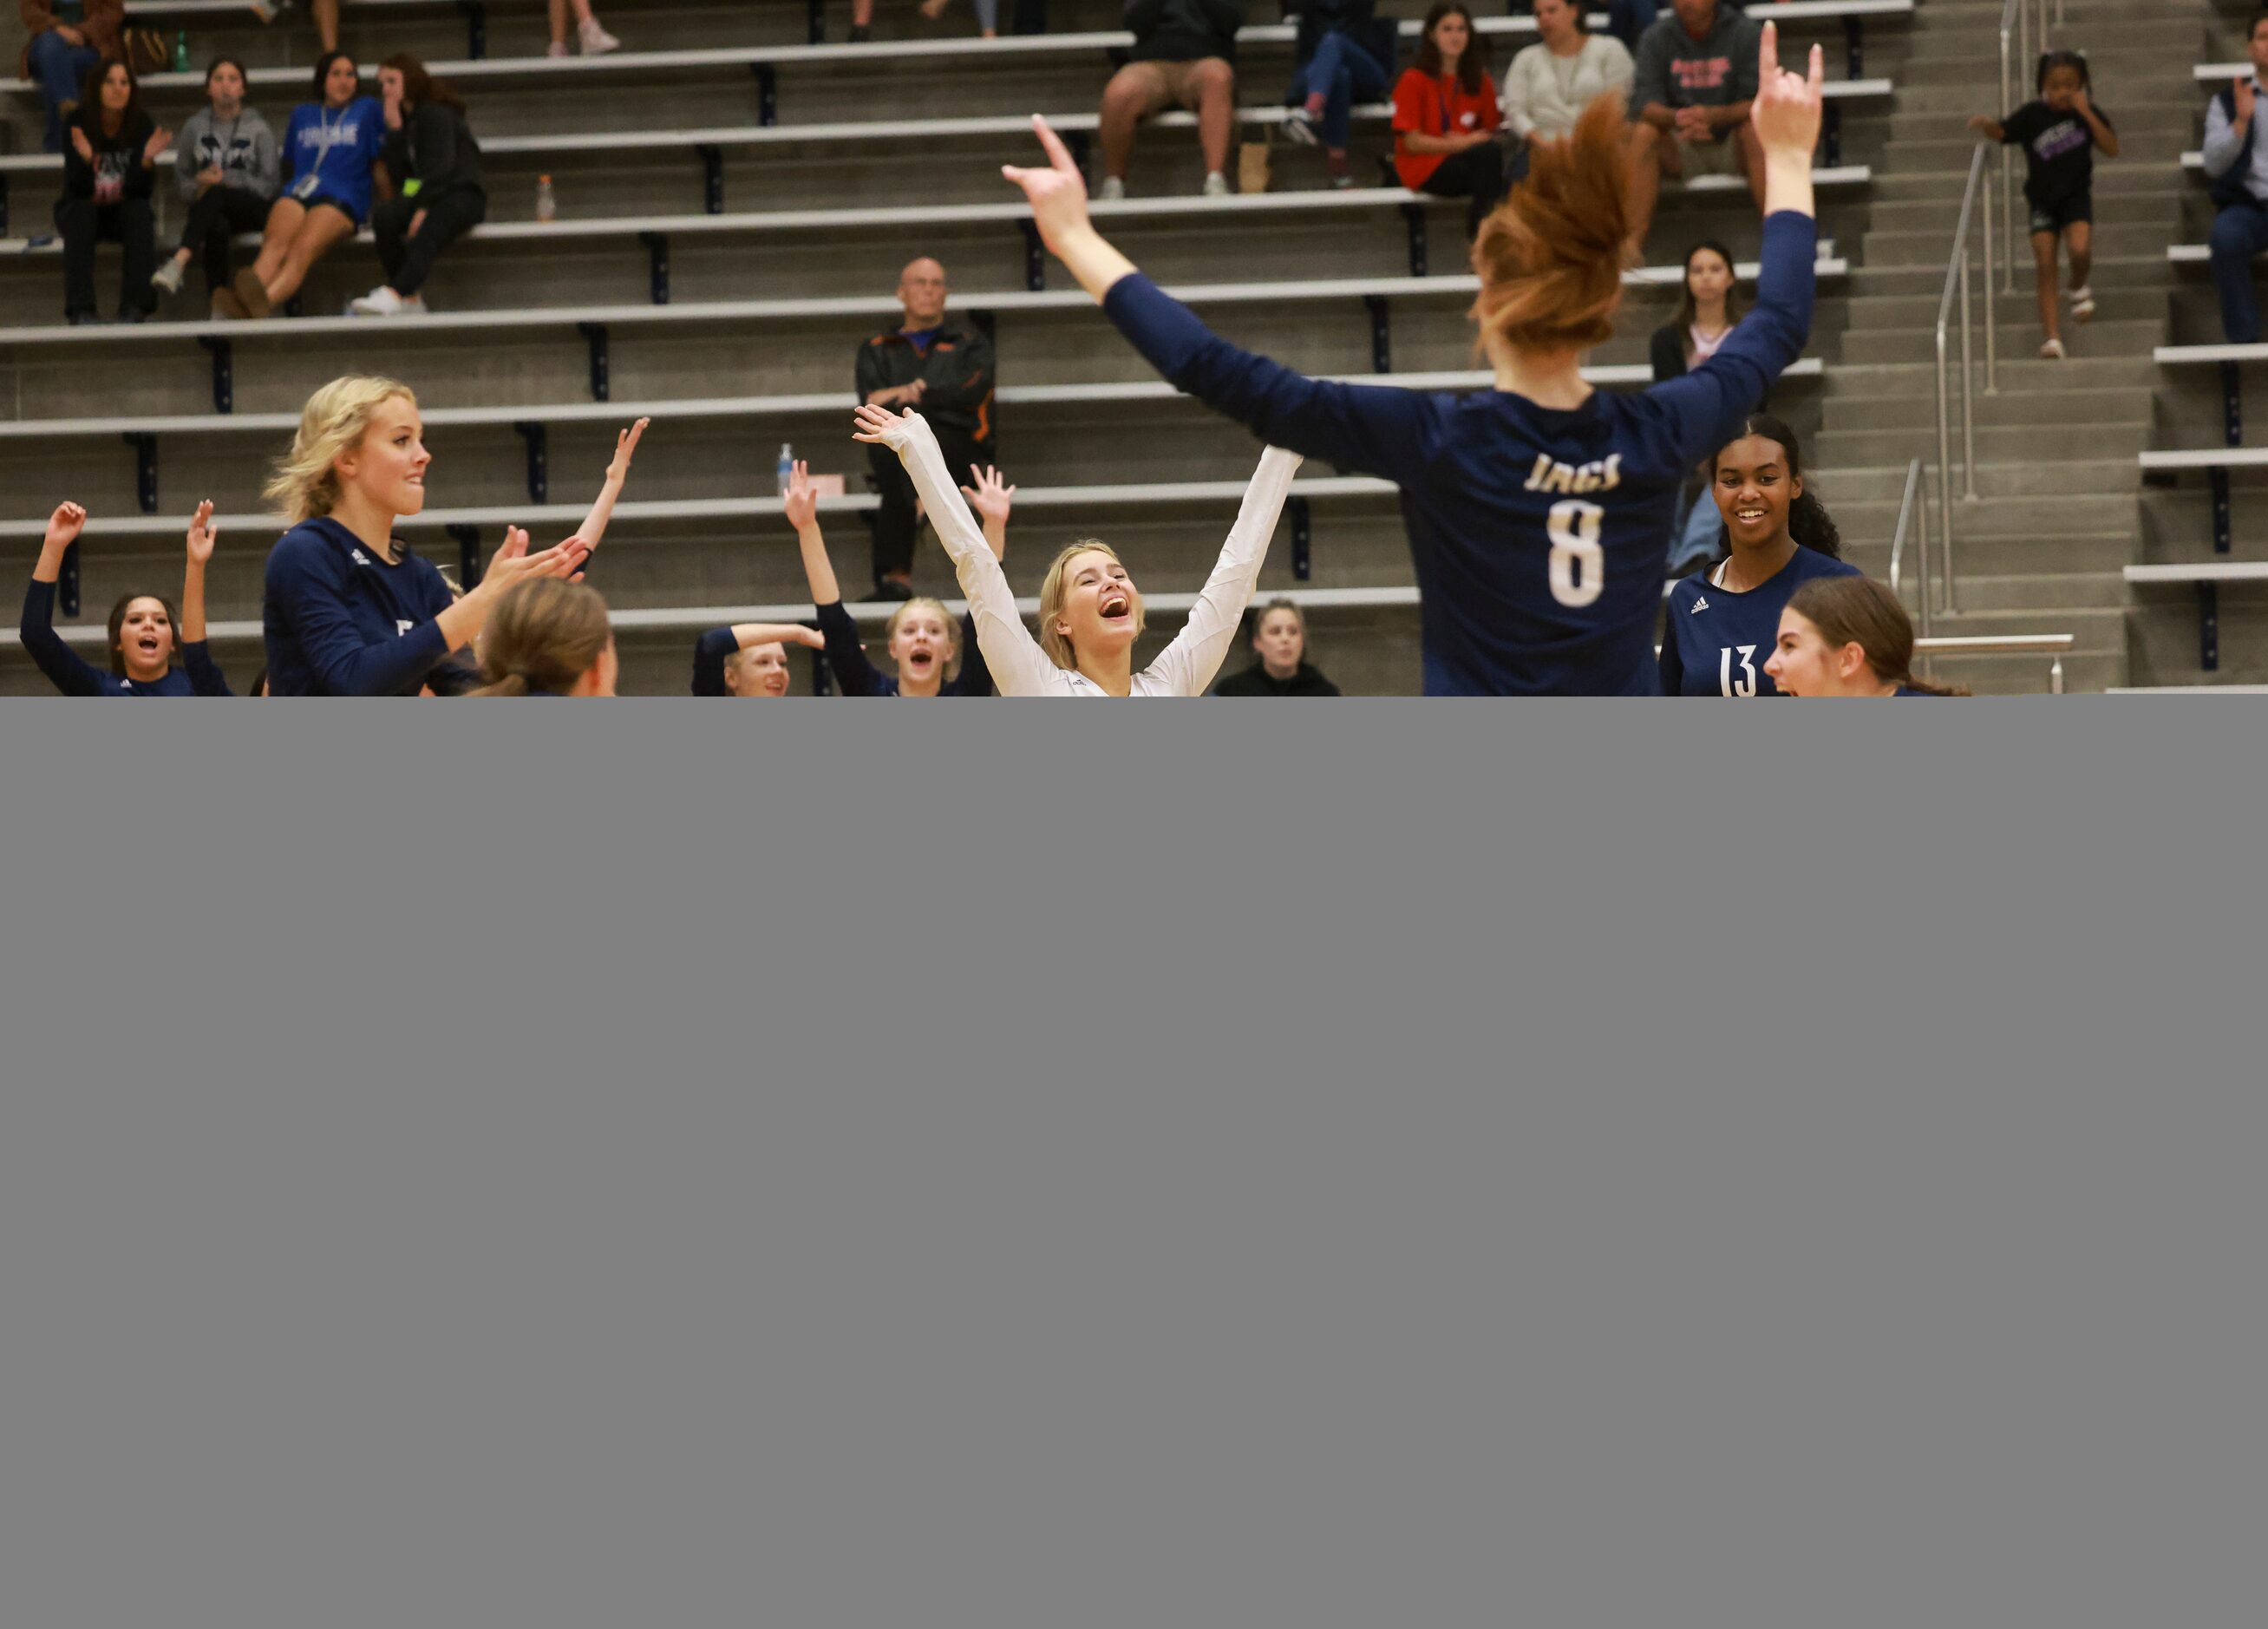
(1700,603)
(360,558)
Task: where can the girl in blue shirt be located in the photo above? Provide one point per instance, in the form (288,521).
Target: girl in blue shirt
(1536,511)
(1778,536)
(142,626)
(329,149)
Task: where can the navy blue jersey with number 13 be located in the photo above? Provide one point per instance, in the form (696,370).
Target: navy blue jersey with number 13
(1540,534)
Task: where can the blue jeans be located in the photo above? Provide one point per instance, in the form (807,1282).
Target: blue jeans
(2239,233)
(61,68)
(1343,71)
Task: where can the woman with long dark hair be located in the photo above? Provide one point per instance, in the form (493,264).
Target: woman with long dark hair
(432,170)
(1777,537)
(145,633)
(1847,636)
(329,148)
(1708,306)
(1446,116)
(1536,510)
(108,174)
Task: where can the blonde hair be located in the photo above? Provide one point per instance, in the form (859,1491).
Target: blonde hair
(924,602)
(1549,257)
(1052,595)
(544,635)
(305,483)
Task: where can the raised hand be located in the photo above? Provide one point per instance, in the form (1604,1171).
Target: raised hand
(204,535)
(625,446)
(512,563)
(894,431)
(990,497)
(63,526)
(1789,106)
(1057,193)
(800,503)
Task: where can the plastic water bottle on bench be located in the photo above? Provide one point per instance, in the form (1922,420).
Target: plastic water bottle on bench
(547,202)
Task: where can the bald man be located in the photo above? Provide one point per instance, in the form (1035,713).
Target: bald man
(943,370)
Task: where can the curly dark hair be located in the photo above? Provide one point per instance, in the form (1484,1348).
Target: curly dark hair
(1808,523)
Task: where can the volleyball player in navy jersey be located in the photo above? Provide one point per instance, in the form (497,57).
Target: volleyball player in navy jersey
(1847,636)
(1722,621)
(145,633)
(1537,509)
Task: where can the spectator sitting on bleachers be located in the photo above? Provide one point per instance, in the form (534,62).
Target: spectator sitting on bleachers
(1696,75)
(329,150)
(347,611)
(945,369)
(1280,640)
(142,626)
(2236,162)
(923,641)
(1847,636)
(1337,68)
(228,170)
(595,41)
(1184,56)
(1446,116)
(66,39)
(548,637)
(1709,306)
(1628,20)
(748,659)
(108,179)
(1568,67)
(432,169)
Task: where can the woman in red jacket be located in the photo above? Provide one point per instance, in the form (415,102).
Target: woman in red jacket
(1446,116)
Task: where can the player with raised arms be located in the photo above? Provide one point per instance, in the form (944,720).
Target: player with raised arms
(1536,511)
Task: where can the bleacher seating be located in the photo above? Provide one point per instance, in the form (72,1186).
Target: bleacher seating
(735,202)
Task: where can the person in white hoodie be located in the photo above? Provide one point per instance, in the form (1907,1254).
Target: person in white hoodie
(228,167)
(1568,67)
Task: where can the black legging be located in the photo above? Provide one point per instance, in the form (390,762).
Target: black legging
(1476,173)
(895,524)
(219,214)
(82,221)
(449,215)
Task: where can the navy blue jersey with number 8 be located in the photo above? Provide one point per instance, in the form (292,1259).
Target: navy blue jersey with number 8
(1540,534)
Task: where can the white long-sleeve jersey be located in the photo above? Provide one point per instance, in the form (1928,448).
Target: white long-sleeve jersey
(1020,665)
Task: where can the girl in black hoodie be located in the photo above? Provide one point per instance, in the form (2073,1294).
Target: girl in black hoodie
(439,195)
(107,178)
(1279,639)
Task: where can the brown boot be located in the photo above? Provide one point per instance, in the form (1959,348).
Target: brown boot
(253,294)
(227,308)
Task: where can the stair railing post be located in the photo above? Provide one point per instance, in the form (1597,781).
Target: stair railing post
(2007,171)
(1968,393)
(1992,322)
(1921,520)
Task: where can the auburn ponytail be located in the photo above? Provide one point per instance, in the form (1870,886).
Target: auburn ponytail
(1549,257)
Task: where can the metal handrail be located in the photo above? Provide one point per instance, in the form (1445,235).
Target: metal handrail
(1913,509)
(2051,645)
(1956,280)
(2016,22)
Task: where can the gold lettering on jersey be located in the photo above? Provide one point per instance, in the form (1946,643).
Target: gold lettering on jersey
(1550,475)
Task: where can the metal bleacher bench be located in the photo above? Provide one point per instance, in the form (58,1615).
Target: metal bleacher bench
(1852,14)
(655,232)
(708,145)
(2164,465)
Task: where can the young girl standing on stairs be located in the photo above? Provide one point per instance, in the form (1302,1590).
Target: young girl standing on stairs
(2060,130)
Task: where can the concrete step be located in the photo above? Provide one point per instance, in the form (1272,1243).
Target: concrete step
(2028,446)
(1908,380)
(2112,178)
(2165,122)
(2155,213)
(1918,410)
(1953,150)
(1920,344)
(1858,477)
(2020,310)
(2024,523)
(2111,272)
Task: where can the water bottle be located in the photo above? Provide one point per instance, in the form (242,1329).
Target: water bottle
(786,467)
(181,52)
(547,205)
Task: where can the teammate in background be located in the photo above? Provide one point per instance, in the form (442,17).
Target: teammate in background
(1279,645)
(548,637)
(1090,611)
(348,610)
(2060,130)
(748,659)
(1536,511)
(1847,636)
(1778,536)
(142,625)
(925,642)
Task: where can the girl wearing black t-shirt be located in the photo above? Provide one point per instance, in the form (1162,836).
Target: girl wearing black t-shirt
(2060,130)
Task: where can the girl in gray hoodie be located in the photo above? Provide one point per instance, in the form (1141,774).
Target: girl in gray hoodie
(228,165)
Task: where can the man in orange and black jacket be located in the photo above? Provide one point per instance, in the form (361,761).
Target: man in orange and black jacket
(943,370)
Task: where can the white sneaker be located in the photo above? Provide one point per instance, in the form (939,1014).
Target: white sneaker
(168,276)
(596,41)
(2082,305)
(2052,352)
(557,47)
(1216,185)
(1113,190)
(380,302)
(414,304)
(1300,128)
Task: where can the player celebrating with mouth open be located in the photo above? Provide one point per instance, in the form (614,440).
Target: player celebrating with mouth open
(1536,510)
(1090,611)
